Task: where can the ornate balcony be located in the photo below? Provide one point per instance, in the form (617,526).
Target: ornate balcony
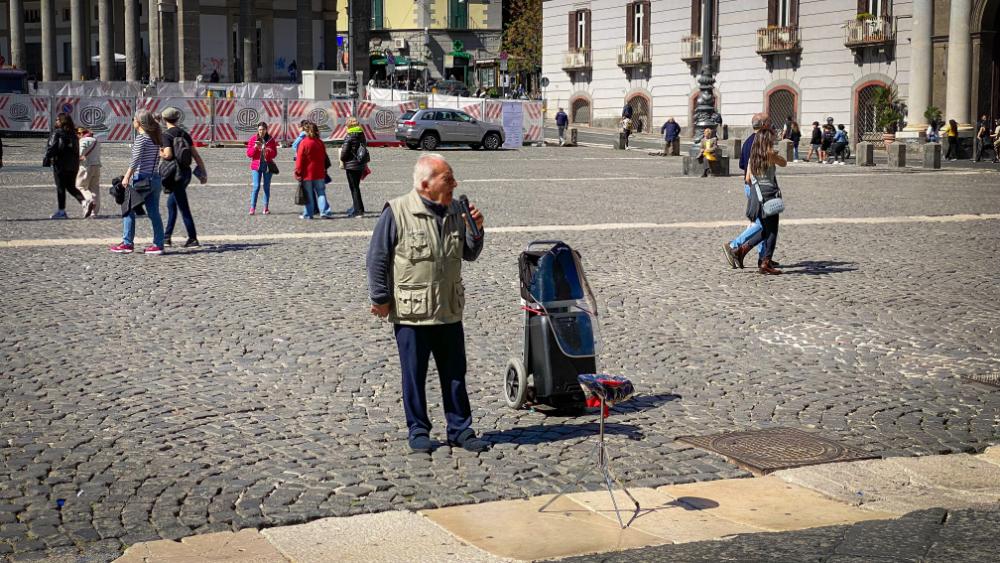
(869,32)
(635,54)
(778,40)
(577,59)
(691,48)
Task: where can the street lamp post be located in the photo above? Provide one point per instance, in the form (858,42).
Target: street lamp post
(352,81)
(705,115)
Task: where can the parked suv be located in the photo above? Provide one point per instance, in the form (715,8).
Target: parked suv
(428,128)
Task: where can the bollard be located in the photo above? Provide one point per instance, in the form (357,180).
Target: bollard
(897,155)
(689,164)
(932,156)
(866,154)
(620,143)
(733,147)
(785,149)
(572,136)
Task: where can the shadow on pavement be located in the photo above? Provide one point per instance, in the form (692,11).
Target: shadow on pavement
(220,248)
(818,267)
(646,402)
(545,433)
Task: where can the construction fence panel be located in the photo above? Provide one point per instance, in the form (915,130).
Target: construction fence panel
(379,121)
(330,117)
(25,113)
(108,118)
(235,119)
(196,114)
(532,122)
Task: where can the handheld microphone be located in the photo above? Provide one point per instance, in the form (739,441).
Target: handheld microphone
(463,200)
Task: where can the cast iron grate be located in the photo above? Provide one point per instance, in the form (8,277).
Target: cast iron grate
(985,378)
(764,451)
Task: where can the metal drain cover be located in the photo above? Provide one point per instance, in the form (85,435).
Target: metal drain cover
(985,378)
(764,451)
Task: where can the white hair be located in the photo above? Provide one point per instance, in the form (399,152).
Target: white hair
(423,170)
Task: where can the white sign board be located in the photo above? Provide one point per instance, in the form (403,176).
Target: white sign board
(513,119)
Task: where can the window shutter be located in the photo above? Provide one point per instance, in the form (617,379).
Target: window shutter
(886,8)
(862,6)
(647,18)
(572,30)
(695,17)
(793,13)
(772,12)
(630,22)
(586,15)
(715,22)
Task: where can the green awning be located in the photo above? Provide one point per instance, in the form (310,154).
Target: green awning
(461,54)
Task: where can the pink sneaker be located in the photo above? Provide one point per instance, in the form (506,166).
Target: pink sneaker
(122,248)
(152,249)
(253,210)
(267,211)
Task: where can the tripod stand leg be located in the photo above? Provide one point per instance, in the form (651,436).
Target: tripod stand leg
(581,470)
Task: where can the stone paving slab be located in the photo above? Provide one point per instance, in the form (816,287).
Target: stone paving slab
(245,546)
(901,485)
(386,537)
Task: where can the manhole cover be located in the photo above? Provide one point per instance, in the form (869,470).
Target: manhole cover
(985,378)
(764,451)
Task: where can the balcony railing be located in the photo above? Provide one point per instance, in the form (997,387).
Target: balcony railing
(691,48)
(778,40)
(869,32)
(634,54)
(577,59)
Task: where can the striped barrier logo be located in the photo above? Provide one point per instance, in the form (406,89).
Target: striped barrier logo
(93,118)
(384,119)
(247,119)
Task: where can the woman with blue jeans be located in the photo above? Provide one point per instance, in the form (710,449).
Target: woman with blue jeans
(311,162)
(143,167)
(262,149)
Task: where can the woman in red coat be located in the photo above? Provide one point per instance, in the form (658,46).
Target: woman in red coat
(311,163)
(262,149)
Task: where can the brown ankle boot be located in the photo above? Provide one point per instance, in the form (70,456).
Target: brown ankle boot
(767,269)
(740,252)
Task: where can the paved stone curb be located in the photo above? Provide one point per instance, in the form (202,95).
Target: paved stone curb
(584,523)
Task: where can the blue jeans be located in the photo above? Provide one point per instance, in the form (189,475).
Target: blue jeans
(795,151)
(257,176)
(152,206)
(316,191)
(178,200)
(750,231)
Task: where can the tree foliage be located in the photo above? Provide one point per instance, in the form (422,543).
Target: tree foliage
(522,35)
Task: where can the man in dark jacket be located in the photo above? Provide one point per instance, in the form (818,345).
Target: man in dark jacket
(627,111)
(354,160)
(562,120)
(672,137)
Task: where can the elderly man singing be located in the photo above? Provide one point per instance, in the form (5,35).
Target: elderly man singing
(415,279)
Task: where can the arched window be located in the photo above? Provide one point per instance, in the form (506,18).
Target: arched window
(580,110)
(865,127)
(781,104)
(640,113)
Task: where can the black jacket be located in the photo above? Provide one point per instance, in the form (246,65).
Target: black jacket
(349,152)
(63,152)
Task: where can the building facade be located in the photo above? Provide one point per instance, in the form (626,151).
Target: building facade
(808,59)
(61,39)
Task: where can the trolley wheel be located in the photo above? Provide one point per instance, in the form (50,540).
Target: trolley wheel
(515,384)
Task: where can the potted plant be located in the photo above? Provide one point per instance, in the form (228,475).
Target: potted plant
(888,112)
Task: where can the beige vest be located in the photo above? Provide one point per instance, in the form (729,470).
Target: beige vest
(427,267)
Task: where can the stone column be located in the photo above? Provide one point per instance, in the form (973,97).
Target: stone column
(248,34)
(17,33)
(330,38)
(153,21)
(959,78)
(78,40)
(48,40)
(105,40)
(304,35)
(189,39)
(168,39)
(133,48)
(921,65)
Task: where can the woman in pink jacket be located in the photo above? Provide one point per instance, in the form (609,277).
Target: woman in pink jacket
(262,150)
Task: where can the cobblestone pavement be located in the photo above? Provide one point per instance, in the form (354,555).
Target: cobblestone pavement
(245,384)
(933,536)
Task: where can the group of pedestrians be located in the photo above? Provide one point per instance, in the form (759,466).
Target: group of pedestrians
(164,159)
(827,143)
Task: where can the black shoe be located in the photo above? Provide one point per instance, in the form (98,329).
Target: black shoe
(468,441)
(167,242)
(191,242)
(420,443)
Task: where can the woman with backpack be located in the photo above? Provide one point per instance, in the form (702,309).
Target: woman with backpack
(63,155)
(840,144)
(262,149)
(354,159)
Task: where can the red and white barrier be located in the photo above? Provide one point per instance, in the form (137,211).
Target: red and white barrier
(24,113)
(196,114)
(109,119)
(532,122)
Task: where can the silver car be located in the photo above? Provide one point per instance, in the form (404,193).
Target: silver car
(431,127)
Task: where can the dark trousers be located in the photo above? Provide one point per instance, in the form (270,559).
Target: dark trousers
(768,234)
(354,184)
(447,344)
(952,147)
(178,200)
(66,182)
